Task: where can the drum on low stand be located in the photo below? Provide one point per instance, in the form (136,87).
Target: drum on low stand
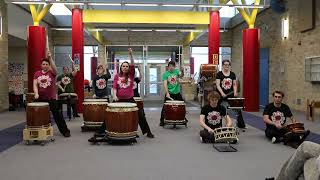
(225,135)
(38,123)
(139,102)
(122,121)
(93,113)
(175,113)
(208,70)
(67,98)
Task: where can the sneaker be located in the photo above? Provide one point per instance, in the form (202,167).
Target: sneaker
(274,140)
(201,140)
(76,115)
(150,135)
(271,178)
(161,124)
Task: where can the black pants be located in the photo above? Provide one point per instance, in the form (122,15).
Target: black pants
(144,126)
(275,132)
(176,97)
(240,121)
(206,136)
(57,115)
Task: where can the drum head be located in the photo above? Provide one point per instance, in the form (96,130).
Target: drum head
(38,104)
(174,102)
(122,105)
(95,103)
(137,98)
(95,100)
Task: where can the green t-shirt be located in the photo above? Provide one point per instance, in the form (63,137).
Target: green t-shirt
(172,81)
(66,82)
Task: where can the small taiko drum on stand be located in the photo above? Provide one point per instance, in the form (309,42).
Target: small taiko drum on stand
(121,121)
(139,102)
(208,70)
(294,128)
(93,113)
(225,135)
(67,98)
(175,113)
(38,123)
(236,103)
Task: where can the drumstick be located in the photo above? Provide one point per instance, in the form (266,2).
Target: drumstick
(70,58)
(170,98)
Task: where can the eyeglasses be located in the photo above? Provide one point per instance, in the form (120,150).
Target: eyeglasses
(226,64)
(277,96)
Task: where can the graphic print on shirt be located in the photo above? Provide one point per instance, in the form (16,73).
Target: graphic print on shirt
(278,117)
(101,83)
(214,117)
(172,79)
(226,83)
(44,81)
(65,80)
(122,82)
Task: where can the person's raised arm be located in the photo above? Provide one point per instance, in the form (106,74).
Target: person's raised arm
(53,66)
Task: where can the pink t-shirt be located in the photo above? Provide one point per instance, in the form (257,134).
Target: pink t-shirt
(46,85)
(124,89)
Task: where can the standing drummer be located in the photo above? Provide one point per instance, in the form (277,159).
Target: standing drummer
(275,116)
(227,88)
(211,117)
(100,83)
(171,86)
(44,88)
(65,85)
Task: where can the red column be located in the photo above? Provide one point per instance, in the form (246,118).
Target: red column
(214,37)
(94,63)
(251,45)
(77,54)
(36,51)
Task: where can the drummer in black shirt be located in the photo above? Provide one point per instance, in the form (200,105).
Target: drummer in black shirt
(100,82)
(211,117)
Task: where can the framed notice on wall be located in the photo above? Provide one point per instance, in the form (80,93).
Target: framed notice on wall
(306,15)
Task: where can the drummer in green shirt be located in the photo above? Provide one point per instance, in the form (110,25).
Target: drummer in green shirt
(171,85)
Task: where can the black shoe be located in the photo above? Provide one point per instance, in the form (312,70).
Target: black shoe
(271,178)
(67,134)
(76,115)
(161,124)
(150,135)
(137,136)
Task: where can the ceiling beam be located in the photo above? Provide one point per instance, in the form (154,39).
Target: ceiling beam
(146,17)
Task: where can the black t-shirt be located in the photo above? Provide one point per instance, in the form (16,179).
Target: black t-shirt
(135,89)
(226,82)
(277,113)
(99,84)
(213,116)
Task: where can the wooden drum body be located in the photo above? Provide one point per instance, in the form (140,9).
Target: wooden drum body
(296,128)
(174,112)
(236,103)
(139,102)
(122,120)
(38,114)
(208,70)
(225,135)
(94,111)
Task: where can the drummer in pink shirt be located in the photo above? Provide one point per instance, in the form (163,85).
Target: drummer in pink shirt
(123,85)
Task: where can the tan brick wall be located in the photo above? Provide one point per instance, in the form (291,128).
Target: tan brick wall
(286,57)
(4,98)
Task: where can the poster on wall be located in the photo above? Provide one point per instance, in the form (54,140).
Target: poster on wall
(15,78)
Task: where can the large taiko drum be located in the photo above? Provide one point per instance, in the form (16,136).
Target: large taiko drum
(30,97)
(174,111)
(38,114)
(122,120)
(236,103)
(225,135)
(139,102)
(94,111)
(208,70)
(296,128)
